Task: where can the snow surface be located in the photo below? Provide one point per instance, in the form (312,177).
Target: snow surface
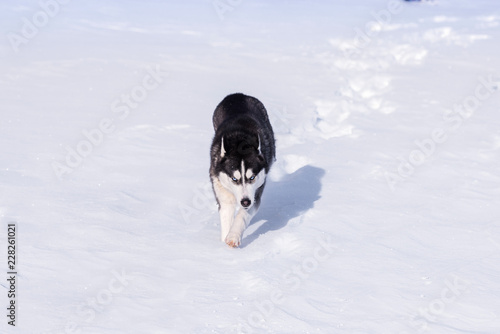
(381,214)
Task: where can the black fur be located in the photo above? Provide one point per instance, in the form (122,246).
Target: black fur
(243,122)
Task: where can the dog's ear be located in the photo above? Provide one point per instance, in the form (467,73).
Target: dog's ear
(258,145)
(222,150)
(260,157)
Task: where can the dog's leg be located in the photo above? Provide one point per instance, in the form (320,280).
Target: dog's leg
(226,213)
(227,207)
(241,222)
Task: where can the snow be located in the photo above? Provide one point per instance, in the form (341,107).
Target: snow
(380,214)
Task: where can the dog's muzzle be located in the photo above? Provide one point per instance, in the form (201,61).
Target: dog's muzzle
(245,202)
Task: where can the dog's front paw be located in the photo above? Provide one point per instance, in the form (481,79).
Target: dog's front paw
(233,240)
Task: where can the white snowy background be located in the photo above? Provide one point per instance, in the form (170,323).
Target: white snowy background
(382,211)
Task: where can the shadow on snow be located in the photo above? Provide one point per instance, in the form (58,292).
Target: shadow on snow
(287,199)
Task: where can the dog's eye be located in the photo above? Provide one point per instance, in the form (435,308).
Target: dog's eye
(252,177)
(234,179)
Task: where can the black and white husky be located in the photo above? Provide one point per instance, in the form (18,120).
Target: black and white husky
(242,153)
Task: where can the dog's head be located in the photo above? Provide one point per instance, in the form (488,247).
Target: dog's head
(242,168)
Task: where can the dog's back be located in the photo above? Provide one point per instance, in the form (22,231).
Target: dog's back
(236,105)
(239,113)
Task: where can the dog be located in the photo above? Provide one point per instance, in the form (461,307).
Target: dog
(241,155)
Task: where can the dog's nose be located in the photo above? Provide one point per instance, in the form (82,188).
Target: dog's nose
(245,202)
